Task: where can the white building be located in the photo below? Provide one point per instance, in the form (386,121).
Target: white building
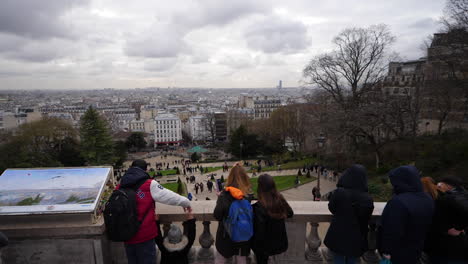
(198,128)
(167,130)
(10,120)
(137,126)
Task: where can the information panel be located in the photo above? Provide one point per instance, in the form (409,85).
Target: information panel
(51,190)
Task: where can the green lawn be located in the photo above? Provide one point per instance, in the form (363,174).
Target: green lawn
(289,165)
(211,169)
(282,182)
(171,186)
(380,191)
(168,172)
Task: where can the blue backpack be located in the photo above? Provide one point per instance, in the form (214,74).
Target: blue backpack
(239,223)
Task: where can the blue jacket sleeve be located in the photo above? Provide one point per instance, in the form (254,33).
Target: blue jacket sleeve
(394,222)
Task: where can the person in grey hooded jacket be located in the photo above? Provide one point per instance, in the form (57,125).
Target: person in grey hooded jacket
(351,206)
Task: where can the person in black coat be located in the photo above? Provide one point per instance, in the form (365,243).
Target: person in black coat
(406,217)
(271,210)
(351,206)
(175,246)
(447,241)
(3,240)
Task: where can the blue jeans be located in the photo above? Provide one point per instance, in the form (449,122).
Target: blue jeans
(340,259)
(141,253)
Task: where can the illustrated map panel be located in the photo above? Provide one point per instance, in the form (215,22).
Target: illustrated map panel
(24,191)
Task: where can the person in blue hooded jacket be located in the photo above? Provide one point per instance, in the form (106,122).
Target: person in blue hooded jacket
(406,218)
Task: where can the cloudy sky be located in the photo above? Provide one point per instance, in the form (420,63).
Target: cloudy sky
(87,44)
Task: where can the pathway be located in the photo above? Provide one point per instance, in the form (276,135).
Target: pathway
(301,193)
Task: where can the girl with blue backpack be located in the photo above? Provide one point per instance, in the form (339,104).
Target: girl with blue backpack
(271,210)
(235,216)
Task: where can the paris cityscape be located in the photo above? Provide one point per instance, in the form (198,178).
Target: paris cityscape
(338,130)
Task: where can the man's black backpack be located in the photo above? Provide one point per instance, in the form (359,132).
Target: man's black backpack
(120,214)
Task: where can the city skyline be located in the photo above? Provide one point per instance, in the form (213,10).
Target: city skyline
(90,44)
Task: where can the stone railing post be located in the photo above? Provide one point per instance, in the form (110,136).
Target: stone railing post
(295,254)
(313,244)
(206,241)
(166,228)
(327,254)
(371,255)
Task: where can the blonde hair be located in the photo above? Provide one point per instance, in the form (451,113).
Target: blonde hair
(430,187)
(238,178)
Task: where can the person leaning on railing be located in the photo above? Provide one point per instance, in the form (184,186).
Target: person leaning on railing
(447,241)
(352,207)
(406,218)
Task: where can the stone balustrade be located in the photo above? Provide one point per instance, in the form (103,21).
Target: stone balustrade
(57,239)
(305,244)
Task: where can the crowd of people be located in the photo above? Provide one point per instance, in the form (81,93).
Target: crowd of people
(421,216)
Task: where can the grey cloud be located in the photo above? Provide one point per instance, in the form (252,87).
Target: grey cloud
(160,65)
(36,19)
(275,34)
(424,23)
(239,61)
(10,42)
(167,40)
(37,51)
(215,12)
(160,42)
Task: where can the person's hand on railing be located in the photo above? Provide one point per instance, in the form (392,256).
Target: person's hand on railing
(454,232)
(189,214)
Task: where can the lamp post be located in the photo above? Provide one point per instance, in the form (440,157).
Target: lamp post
(320,142)
(241,145)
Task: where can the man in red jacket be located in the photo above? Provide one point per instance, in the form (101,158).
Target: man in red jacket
(141,248)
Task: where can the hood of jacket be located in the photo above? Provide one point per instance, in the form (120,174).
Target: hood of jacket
(235,193)
(133,176)
(405,179)
(354,178)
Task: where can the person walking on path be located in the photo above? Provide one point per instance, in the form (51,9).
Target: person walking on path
(196,188)
(237,188)
(352,207)
(447,240)
(140,248)
(270,211)
(406,218)
(209,185)
(314,193)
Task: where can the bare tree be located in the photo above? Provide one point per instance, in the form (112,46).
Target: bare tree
(350,75)
(456,15)
(209,122)
(358,62)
